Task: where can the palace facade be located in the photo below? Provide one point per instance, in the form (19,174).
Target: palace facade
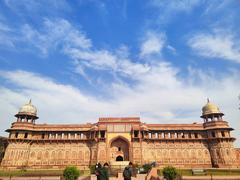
(203,145)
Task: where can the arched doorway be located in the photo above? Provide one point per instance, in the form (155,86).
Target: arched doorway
(119,149)
(119,158)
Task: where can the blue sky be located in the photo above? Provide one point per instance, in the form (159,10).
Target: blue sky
(80,60)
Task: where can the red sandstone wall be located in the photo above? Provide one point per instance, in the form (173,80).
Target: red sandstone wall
(238,156)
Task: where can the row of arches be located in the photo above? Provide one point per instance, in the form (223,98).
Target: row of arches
(60,155)
(16,155)
(52,155)
(221,153)
(178,153)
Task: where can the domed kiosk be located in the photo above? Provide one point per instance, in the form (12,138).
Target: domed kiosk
(211,112)
(27,113)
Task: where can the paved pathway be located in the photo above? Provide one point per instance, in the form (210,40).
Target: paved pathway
(211,178)
(41,178)
(139,177)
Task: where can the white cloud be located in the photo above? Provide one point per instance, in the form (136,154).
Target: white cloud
(153,43)
(4,27)
(183,5)
(55,34)
(35,7)
(158,97)
(172,49)
(62,36)
(168,9)
(5,39)
(105,60)
(216,45)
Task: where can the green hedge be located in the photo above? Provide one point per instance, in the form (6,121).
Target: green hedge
(71,173)
(169,173)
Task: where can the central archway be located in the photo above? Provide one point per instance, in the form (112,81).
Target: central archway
(119,149)
(119,158)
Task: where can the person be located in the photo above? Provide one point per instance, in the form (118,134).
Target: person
(127,173)
(98,171)
(105,173)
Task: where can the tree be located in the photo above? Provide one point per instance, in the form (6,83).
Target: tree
(71,173)
(169,173)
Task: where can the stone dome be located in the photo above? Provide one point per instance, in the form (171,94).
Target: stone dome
(28,109)
(210,108)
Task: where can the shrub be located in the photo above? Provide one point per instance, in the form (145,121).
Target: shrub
(169,173)
(71,173)
(147,167)
(92,169)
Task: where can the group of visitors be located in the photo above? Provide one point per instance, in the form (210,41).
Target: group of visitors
(102,172)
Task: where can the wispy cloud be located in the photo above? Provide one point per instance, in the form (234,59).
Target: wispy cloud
(60,35)
(6,38)
(55,34)
(35,7)
(221,45)
(153,43)
(169,9)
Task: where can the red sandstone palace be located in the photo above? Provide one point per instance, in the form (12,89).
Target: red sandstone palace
(204,145)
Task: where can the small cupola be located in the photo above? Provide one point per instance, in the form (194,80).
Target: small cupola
(27,113)
(211,111)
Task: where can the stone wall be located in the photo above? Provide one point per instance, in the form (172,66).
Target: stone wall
(223,154)
(49,155)
(237,152)
(179,154)
(3,145)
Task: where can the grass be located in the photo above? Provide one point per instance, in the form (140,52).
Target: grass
(218,172)
(8,173)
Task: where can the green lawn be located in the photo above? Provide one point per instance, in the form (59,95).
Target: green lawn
(219,172)
(36,172)
(223,171)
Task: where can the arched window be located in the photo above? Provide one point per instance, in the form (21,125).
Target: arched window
(179,154)
(46,154)
(206,153)
(199,153)
(186,153)
(53,155)
(39,155)
(193,153)
(12,155)
(172,153)
(60,155)
(87,156)
(165,153)
(74,155)
(16,155)
(80,155)
(67,155)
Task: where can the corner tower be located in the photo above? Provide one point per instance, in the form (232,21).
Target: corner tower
(220,142)
(27,113)
(26,118)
